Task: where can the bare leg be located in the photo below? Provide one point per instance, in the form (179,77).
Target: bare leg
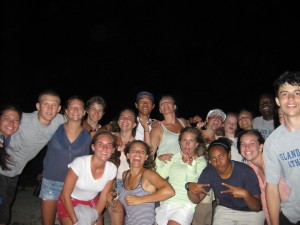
(48,211)
(66,221)
(116,218)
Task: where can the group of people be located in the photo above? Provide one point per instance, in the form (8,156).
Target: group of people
(230,168)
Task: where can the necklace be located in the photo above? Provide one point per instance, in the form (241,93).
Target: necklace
(124,142)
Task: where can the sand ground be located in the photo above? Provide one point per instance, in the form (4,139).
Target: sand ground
(26,209)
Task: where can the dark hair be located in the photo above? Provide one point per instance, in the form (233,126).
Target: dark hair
(72,98)
(5,158)
(149,162)
(239,129)
(68,103)
(49,92)
(266,95)
(201,148)
(114,157)
(96,99)
(13,107)
(245,110)
(291,78)
(135,118)
(254,132)
(221,141)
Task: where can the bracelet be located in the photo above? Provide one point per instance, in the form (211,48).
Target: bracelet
(146,130)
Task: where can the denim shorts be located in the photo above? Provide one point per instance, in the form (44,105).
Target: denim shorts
(50,189)
(120,185)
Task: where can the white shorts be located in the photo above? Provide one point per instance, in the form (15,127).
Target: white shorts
(179,213)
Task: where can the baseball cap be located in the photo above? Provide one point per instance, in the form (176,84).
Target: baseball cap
(217,112)
(145,93)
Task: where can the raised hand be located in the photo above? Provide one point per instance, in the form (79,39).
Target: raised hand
(198,188)
(187,158)
(236,192)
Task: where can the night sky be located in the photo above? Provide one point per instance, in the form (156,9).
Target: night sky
(207,55)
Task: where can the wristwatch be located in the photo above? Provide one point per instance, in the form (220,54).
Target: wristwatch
(187,186)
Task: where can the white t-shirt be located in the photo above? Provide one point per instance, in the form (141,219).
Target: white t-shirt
(139,133)
(235,155)
(124,166)
(86,187)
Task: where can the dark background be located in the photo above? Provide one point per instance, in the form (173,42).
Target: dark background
(207,55)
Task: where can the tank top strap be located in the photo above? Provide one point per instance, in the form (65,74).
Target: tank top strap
(124,178)
(181,122)
(162,126)
(141,179)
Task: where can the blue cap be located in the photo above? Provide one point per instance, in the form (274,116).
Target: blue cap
(145,93)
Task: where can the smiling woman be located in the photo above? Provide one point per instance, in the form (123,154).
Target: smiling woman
(142,186)
(250,144)
(10,118)
(68,142)
(86,178)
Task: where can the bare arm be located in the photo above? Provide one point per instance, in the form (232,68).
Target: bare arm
(144,124)
(66,192)
(152,182)
(102,200)
(155,138)
(273,202)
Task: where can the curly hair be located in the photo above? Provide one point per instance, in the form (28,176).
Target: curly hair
(149,162)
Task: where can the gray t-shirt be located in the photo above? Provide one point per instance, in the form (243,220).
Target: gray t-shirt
(28,141)
(265,127)
(282,158)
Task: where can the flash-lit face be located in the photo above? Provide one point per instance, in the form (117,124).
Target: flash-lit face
(250,147)
(137,154)
(188,143)
(220,159)
(289,100)
(95,112)
(103,147)
(9,122)
(48,107)
(245,120)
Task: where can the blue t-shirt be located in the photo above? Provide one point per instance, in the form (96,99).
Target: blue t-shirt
(61,152)
(242,176)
